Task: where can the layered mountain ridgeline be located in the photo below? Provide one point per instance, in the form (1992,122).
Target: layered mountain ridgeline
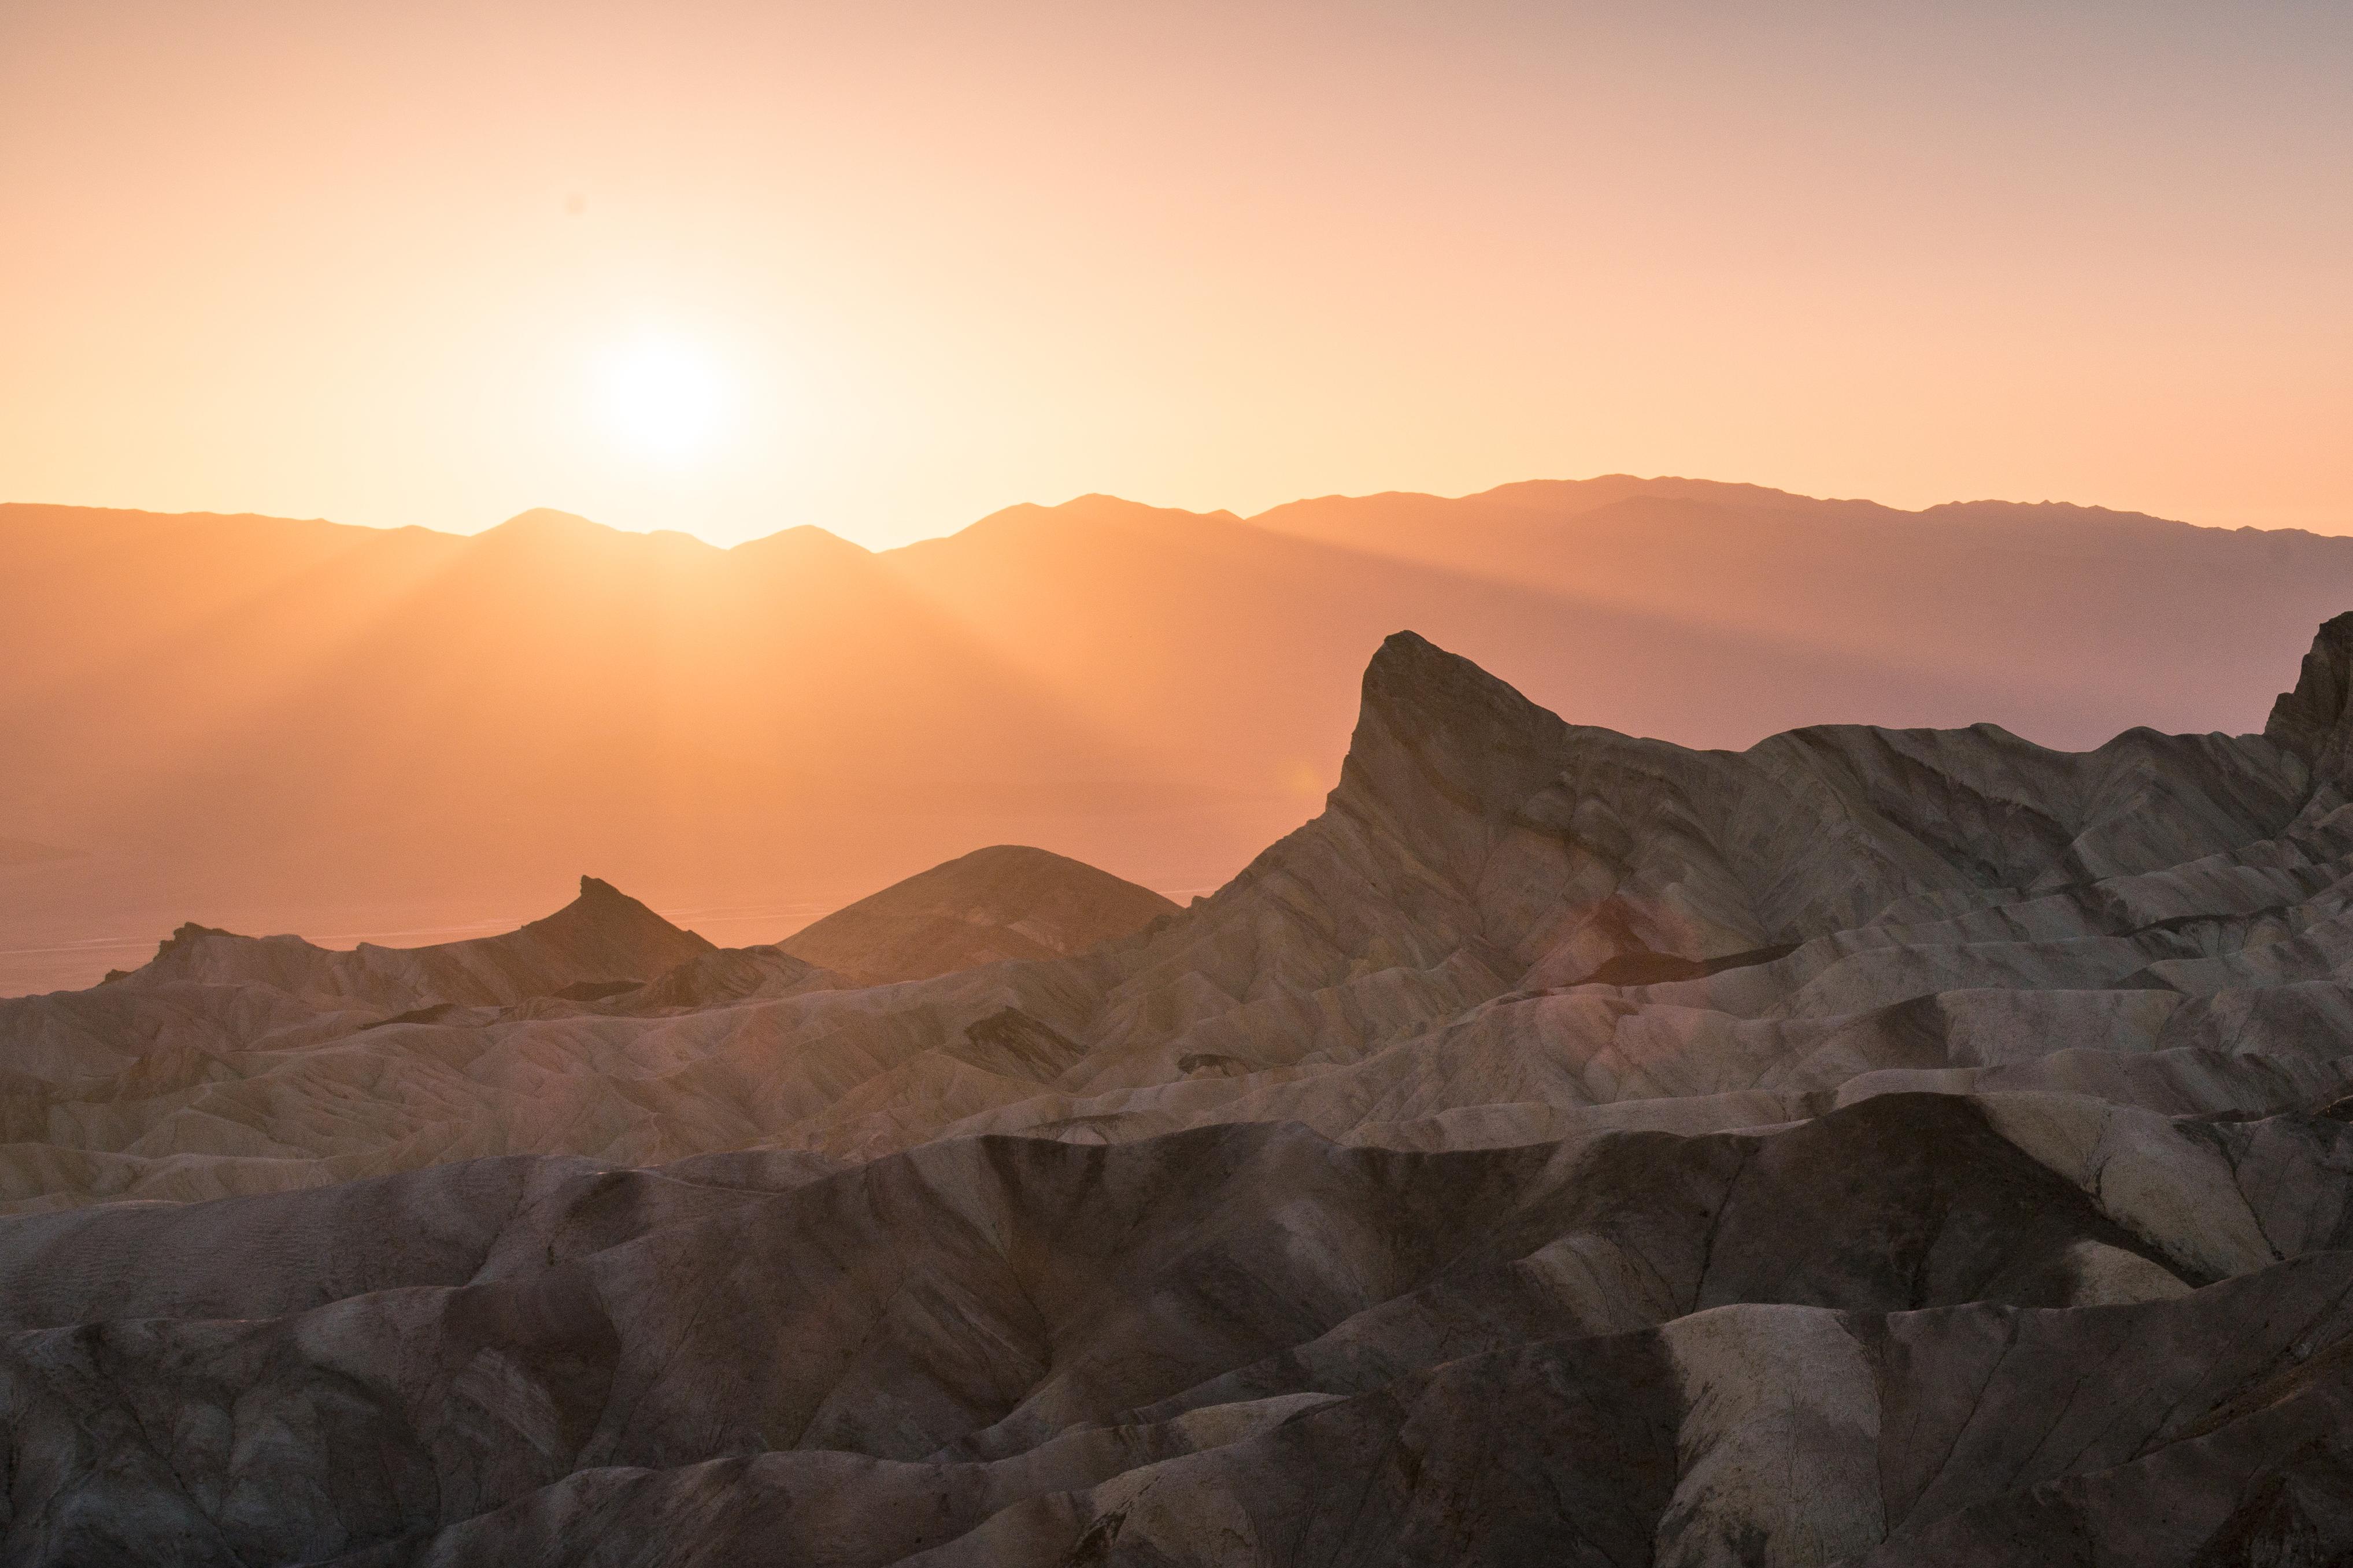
(1903,1146)
(217,707)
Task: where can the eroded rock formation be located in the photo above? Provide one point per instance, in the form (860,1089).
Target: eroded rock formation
(1875,1146)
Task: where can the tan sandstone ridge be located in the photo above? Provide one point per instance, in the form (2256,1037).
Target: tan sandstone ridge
(1875,1145)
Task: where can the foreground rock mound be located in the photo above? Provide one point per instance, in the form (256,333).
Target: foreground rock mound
(1875,1146)
(1004,902)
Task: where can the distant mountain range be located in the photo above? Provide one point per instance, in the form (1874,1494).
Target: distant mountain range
(277,724)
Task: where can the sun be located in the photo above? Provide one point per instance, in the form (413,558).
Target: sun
(666,397)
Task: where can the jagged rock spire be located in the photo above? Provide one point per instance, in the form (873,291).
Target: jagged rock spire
(2305,719)
(1432,718)
(2316,720)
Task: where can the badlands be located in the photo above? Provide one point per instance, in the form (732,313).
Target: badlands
(1874,1146)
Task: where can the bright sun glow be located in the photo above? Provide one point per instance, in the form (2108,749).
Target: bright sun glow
(666,398)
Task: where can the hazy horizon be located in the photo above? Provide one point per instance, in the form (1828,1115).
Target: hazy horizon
(950,529)
(881,269)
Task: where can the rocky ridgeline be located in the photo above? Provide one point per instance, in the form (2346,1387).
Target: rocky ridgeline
(1875,1146)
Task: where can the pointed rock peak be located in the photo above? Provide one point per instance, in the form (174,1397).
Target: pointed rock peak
(1434,720)
(601,902)
(1413,683)
(606,921)
(1410,650)
(2310,720)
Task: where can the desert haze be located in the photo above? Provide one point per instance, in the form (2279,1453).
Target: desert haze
(291,726)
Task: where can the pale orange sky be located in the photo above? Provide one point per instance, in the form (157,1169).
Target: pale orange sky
(393,263)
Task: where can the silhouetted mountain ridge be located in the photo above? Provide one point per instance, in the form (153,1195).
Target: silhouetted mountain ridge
(210,705)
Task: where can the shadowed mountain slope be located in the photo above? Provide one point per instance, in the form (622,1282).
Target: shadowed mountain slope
(1886,1145)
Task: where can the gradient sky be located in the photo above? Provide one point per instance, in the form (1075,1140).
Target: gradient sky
(403,263)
